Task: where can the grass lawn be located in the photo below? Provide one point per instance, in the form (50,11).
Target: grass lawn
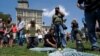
(22,51)
(87,47)
(19,51)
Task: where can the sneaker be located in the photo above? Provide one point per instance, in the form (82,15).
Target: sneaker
(95,48)
(59,49)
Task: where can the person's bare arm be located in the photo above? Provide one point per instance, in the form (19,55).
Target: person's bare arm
(62,14)
(53,45)
(54,39)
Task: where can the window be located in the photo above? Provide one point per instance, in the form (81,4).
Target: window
(20,13)
(38,20)
(39,15)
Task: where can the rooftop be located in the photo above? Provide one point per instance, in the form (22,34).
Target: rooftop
(28,9)
(22,1)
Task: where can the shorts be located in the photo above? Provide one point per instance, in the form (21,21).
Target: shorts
(6,40)
(10,36)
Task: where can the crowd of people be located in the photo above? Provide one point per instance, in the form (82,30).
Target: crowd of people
(8,32)
(55,37)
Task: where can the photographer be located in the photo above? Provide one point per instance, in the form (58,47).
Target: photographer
(59,26)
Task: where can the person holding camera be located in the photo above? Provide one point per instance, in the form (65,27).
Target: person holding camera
(58,23)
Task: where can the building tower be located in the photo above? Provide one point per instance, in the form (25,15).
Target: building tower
(23,4)
(28,14)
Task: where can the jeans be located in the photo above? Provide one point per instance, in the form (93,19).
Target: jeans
(73,35)
(33,42)
(21,37)
(90,18)
(60,35)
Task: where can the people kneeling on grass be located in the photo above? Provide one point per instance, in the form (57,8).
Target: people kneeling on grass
(32,41)
(49,40)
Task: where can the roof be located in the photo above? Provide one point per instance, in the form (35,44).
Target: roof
(22,1)
(46,26)
(29,9)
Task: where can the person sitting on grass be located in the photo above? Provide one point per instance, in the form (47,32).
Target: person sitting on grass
(49,40)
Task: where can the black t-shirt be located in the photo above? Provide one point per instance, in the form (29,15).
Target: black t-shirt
(50,38)
(97,29)
(90,5)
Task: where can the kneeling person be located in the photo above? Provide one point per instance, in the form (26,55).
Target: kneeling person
(32,41)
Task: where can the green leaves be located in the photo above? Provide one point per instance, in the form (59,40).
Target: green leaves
(5,17)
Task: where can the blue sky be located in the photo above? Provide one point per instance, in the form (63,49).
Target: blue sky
(8,6)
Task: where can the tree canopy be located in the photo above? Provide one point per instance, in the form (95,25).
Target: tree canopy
(5,17)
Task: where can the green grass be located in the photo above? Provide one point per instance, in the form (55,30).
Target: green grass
(22,51)
(87,47)
(19,51)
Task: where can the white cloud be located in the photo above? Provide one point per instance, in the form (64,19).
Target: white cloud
(49,13)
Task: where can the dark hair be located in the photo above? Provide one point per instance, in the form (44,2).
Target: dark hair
(57,8)
(19,18)
(32,23)
(51,29)
(14,24)
(9,20)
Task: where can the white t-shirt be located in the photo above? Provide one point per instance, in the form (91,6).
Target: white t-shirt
(21,25)
(40,36)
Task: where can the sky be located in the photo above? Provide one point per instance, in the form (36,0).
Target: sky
(68,7)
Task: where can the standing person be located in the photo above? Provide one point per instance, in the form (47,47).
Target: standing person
(5,39)
(92,13)
(76,35)
(1,33)
(59,26)
(21,27)
(85,29)
(9,32)
(98,17)
(49,40)
(14,31)
(75,27)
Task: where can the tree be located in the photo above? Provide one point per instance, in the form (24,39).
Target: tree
(5,17)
